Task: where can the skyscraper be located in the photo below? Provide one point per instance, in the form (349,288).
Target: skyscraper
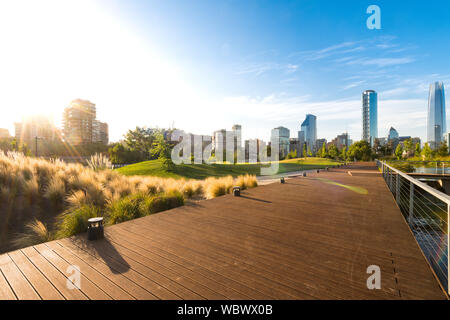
(81,126)
(437,120)
(283,140)
(309,127)
(370,116)
(78,122)
(393,134)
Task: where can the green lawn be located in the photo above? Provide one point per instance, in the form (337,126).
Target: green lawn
(202,171)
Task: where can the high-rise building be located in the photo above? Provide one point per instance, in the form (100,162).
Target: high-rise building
(79,122)
(253,148)
(283,140)
(437,120)
(219,140)
(320,143)
(80,125)
(393,134)
(100,134)
(341,141)
(370,116)
(237,131)
(301,143)
(309,127)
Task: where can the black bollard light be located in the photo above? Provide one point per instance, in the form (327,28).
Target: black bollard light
(327,169)
(282,180)
(95,228)
(304,174)
(237,191)
(318,170)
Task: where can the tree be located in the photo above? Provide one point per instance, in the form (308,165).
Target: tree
(309,152)
(399,151)
(323,152)
(376,146)
(304,150)
(443,149)
(333,152)
(141,140)
(360,150)
(120,154)
(161,149)
(343,155)
(408,145)
(426,151)
(418,150)
(292,154)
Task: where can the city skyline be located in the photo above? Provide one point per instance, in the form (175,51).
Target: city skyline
(228,59)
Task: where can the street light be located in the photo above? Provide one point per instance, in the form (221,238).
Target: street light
(36,138)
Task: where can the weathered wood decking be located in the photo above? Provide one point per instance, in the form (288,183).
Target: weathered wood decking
(311,238)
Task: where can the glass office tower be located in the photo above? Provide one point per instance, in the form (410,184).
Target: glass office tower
(310,131)
(370,116)
(437,121)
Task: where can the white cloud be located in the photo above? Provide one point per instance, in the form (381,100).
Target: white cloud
(381,62)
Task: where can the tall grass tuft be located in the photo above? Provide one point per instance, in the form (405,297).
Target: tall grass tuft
(36,232)
(99,162)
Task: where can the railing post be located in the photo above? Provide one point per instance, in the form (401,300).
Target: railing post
(397,188)
(390,179)
(411,203)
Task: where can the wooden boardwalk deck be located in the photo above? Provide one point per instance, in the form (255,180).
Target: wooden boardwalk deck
(311,238)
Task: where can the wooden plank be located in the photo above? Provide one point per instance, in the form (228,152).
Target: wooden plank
(113,290)
(39,282)
(58,280)
(138,286)
(206,271)
(19,284)
(301,278)
(115,276)
(208,286)
(238,273)
(144,267)
(86,286)
(6,292)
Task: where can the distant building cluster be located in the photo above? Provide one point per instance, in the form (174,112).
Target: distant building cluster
(80,126)
(35,127)
(436,120)
(4,133)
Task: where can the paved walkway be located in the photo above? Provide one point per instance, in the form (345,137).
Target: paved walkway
(311,238)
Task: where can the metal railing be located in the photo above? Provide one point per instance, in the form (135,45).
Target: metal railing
(427,166)
(427,212)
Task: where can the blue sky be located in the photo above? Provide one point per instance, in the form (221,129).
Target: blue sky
(263,64)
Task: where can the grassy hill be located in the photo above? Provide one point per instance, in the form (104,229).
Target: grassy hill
(202,171)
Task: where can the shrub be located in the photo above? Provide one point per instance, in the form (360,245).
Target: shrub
(76,220)
(165,202)
(128,208)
